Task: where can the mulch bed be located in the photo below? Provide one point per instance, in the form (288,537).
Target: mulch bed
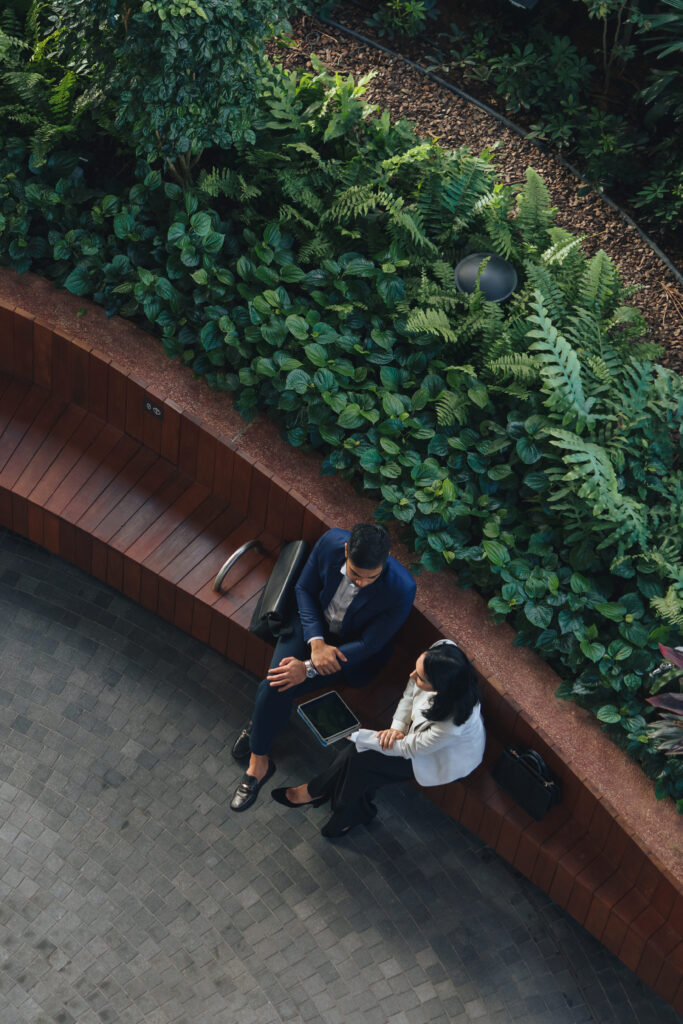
(439,114)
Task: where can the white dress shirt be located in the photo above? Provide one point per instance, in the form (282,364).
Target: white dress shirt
(339,605)
(440,751)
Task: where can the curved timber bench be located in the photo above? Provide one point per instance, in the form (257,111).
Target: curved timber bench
(102,462)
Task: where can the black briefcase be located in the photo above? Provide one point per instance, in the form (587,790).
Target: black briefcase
(276,604)
(525,776)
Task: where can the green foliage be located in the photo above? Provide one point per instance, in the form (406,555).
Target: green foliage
(44,101)
(180,76)
(585,109)
(535,446)
(402,17)
(662,34)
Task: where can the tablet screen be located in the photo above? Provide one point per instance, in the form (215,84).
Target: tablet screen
(329,715)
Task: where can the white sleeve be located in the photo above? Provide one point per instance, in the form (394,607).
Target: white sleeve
(403,715)
(437,734)
(366,739)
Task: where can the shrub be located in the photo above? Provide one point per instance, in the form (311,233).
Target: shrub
(181,75)
(535,447)
(402,17)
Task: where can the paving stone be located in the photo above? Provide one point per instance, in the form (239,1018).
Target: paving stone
(129,893)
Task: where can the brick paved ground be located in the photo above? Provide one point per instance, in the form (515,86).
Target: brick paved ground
(130,893)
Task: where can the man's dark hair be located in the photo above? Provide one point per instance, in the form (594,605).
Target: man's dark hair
(368,546)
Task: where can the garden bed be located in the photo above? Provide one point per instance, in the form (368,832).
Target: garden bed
(441,115)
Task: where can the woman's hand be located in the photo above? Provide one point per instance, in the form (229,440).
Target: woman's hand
(387,737)
(290,672)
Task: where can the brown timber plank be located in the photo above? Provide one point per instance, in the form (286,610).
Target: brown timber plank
(202,544)
(153,508)
(94,475)
(184,532)
(89,429)
(33,437)
(20,410)
(66,425)
(155,476)
(158,534)
(116,489)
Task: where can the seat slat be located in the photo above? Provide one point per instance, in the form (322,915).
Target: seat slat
(154,476)
(72,450)
(160,532)
(23,407)
(33,437)
(70,420)
(185,532)
(154,506)
(94,486)
(84,468)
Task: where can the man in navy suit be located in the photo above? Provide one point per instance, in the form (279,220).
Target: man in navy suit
(352,599)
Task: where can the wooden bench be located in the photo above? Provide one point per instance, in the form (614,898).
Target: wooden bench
(102,468)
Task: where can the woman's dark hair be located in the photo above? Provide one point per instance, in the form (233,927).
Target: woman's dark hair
(455,681)
(368,546)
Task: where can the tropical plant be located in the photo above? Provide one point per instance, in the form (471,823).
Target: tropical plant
(667,730)
(402,17)
(42,99)
(182,75)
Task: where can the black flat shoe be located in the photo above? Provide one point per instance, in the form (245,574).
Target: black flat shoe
(240,748)
(248,789)
(280,796)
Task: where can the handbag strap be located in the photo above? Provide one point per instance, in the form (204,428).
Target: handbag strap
(534,761)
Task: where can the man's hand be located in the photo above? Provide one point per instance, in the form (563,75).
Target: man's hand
(387,737)
(325,658)
(290,672)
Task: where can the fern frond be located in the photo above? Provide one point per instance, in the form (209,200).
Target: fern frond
(450,409)
(670,607)
(518,365)
(600,285)
(534,212)
(460,195)
(560,367)
(433,322)
(590,465)
(316,250)
(61,97)
(553,298)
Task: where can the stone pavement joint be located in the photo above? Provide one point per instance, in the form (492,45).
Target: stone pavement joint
(130,894)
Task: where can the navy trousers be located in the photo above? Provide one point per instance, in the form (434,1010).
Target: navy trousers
(272,707)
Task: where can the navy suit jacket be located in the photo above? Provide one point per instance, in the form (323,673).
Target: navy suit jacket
(374,616)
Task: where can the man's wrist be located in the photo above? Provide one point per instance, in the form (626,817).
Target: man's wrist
(315,641)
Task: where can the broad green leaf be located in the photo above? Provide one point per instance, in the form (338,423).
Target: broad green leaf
(538,614)
(298,380)
(609,713)
(496,552)
(612,611)
(592,649)
(297,326)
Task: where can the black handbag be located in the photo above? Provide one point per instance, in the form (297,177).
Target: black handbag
(525,776)
(277,601)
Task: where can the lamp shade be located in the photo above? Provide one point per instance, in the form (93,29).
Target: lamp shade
(498,278)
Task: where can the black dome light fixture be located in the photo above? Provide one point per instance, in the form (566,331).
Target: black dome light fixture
(497,280)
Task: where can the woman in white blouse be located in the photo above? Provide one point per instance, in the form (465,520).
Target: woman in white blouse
(437,735)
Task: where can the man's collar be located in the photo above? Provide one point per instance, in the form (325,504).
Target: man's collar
(345,573)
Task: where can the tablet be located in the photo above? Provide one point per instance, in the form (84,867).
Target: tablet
(328,717)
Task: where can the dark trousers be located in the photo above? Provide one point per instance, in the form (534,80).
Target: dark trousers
(272,707)
(352,778)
